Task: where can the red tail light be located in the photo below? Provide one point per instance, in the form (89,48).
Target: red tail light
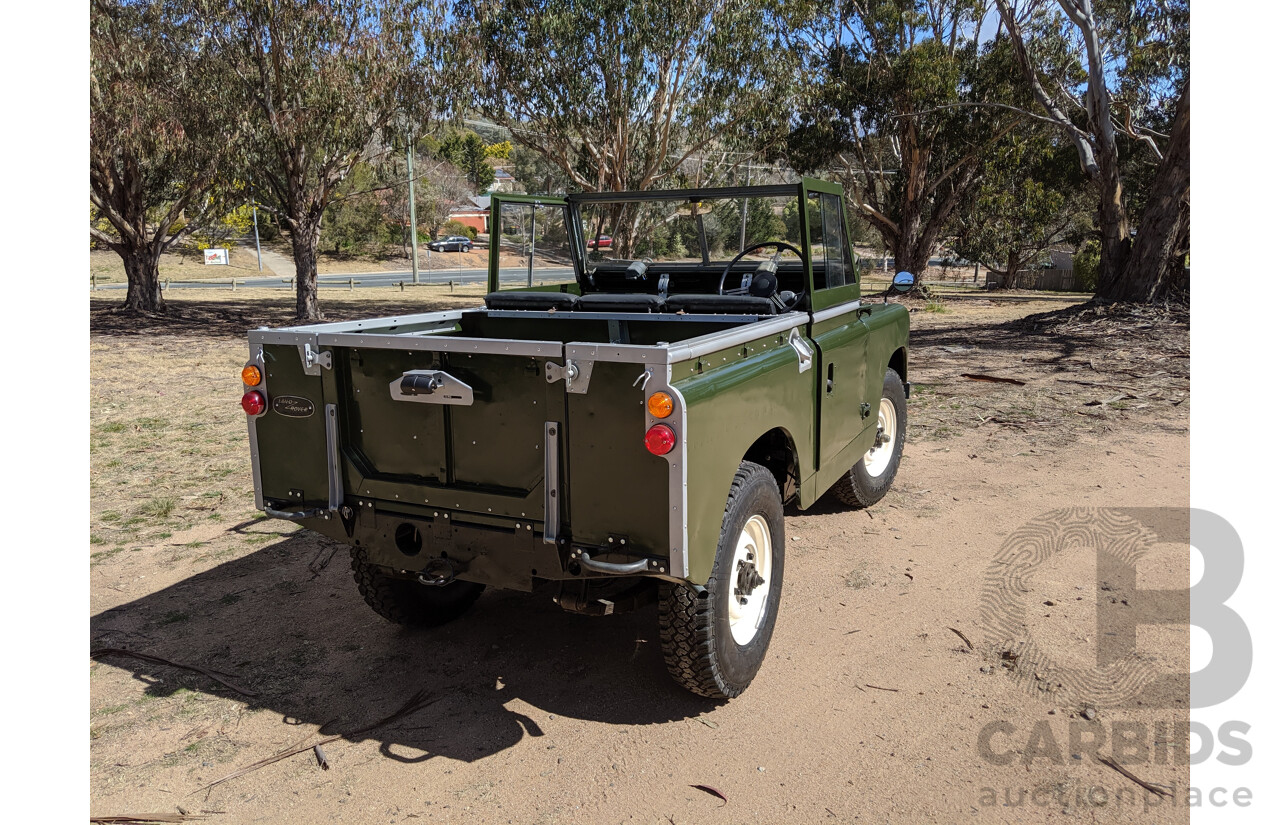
(660,439)
(254,402)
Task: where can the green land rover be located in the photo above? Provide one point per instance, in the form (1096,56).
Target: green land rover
(617,423)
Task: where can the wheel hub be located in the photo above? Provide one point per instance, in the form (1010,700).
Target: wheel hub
(749,579)
(751,568)
(878,458)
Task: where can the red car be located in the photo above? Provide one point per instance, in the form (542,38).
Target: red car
(600,242)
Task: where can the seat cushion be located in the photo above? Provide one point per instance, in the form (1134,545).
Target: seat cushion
(619,302)
(733,304)
(531,300)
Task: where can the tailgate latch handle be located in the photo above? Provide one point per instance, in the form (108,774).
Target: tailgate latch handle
(431,387)
(417,384)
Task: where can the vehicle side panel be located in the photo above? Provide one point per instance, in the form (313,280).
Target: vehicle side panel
(887,327)
(842,389)
(734,397)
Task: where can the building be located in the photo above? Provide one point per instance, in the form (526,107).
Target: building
(473,213)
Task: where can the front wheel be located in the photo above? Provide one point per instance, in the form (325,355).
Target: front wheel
(714,639)
(872,476)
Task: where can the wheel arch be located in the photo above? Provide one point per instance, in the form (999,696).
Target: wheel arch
(775,450)
(898,363)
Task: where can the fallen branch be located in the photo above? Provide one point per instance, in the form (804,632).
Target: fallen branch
(146,657)
(1116,766)
(995,379)
(142,819)
(877,687)
(417,702)
(963,637)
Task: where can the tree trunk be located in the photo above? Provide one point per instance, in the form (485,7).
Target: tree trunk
(911,253)
(305,239)
(1166,222)
(142,268)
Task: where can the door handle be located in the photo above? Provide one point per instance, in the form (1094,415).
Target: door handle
(803,351)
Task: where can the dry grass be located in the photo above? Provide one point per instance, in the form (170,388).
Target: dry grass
(180,265)
(168,449)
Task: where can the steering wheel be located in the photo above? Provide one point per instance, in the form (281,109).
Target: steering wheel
(786,305)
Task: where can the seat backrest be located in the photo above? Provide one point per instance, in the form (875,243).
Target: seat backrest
(732,304)
(531,300)
(619,302)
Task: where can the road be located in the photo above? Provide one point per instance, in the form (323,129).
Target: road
(376,279)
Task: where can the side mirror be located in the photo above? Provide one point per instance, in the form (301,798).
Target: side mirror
(903,281)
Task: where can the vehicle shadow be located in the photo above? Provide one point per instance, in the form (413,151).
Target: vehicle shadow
(314,653)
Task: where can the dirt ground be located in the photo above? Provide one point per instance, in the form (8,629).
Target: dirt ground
(870,708)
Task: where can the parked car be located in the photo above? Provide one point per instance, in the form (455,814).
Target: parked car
(600,242)
(453,243)
(528,443)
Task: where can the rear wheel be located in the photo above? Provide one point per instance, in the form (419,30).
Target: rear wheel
(715,639)
(407,602)
(872,476)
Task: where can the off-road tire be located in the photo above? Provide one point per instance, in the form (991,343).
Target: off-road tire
(699,649)
(858,488)
(407,602)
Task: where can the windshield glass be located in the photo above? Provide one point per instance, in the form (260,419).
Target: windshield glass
(711,230)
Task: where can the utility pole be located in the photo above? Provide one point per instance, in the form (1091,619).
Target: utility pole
(413,214)
(257,244)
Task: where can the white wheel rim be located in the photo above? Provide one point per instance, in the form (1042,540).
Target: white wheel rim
(878,457)
(754,554)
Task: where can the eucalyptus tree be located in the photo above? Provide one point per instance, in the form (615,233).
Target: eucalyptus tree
(325,85)
(896,103)
(620,95)
(1031,199)
(159,132)
(1114,76)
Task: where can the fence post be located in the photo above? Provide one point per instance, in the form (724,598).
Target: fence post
(351,284)
(93,280)
(233,284)
(451,286)
(402,286)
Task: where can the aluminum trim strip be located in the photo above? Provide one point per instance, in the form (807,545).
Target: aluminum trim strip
(551,483)
(677,471)
(835,311)
(335,467)
(715,341)
(255,464)
(617,353)
(482,346)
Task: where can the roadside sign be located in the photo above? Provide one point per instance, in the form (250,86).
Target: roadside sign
(216,257)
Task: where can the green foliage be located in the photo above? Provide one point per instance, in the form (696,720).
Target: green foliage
(1031,199)
(621,94)
(467,151)
(323,84)
(888,112)
(360,218)
(458,228)
(1085,265)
